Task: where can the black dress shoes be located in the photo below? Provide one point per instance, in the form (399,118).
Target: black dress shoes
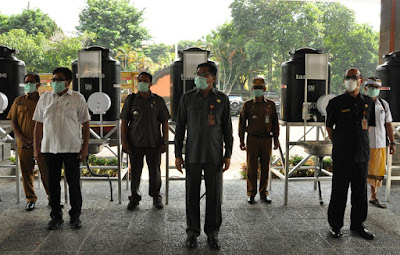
(30,206)
(363,233)
(133,205)
(213,242)
(75,223)
(335,233)
(55,224)
(250,199)
(266,199)
(158,203)
(191,242)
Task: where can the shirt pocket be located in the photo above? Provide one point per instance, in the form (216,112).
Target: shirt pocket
(49,111)
(71,113)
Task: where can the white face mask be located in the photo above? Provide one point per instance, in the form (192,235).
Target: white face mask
(350,85)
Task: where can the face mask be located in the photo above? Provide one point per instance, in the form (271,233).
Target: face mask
(350,85)
(143,87)
(30,87)
(58,86)
(200,82)
(373,92)
(258,92)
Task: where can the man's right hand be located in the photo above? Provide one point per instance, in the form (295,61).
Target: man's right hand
(37,154)
(178,164)
(126,148)
(26,142)
(242,146)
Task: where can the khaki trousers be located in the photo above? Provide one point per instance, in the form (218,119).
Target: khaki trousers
(27,164)
(258,149)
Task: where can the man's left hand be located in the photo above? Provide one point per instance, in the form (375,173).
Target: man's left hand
(82,155)
(276,143)
(227,163)
(392,149)
(163,148)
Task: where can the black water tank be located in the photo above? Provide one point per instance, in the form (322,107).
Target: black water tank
(12,72)
(176,89)
(292,88)
(111,71)
(389,73)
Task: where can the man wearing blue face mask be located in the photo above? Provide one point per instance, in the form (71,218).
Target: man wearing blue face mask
(349,116)
(259,119)
(141,118)
(377,139)
(21,114)
(205,114)
(60,115)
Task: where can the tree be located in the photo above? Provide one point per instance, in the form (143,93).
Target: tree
(114,22)
(33,21)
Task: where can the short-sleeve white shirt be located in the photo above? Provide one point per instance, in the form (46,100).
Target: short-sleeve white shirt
(377,134)
(62,118)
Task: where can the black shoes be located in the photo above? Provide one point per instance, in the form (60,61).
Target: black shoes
(157,202)
(250,199)
(335,233)
(30,206)
(75,223)
(55,224)
(213,242)
(266,199)
(363,233)
(133,205)
(191,242)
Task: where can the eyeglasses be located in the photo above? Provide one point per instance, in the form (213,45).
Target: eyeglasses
(203,74)
(258,87)
(59,79)
(353,77)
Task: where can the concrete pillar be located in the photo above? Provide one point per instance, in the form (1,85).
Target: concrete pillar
(387,26)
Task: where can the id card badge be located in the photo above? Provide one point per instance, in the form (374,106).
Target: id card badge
(266,119)
(211,120)
(364,124)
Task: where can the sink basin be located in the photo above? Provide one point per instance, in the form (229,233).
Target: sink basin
(317,148)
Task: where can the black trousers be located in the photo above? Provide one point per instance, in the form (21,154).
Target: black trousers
(212,177)
(72,171)
(153,160)
(344,174)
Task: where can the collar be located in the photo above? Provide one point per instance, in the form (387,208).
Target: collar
(150,95)
(255,101)
(69,92)
(212,91)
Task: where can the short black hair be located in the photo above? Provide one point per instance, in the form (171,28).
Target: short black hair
(37,77)
(66,71)
(211,67)
(148,75)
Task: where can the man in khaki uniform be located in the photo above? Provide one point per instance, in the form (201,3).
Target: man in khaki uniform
(259,119)
(21,114)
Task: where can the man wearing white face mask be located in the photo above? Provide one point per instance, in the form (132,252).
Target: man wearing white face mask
(205,114)
(60,115)
(259,119)
(377,139)
(21,114)
(349,117)
(141,118)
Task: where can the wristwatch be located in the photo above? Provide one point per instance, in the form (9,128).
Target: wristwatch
(392,143)
(164,142)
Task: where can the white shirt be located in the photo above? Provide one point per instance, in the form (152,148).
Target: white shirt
(377,134)
(62,118)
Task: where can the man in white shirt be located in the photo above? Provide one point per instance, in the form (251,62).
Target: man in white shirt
(59,115)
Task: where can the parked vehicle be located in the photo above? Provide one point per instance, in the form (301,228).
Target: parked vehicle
(236,104)
(274,96)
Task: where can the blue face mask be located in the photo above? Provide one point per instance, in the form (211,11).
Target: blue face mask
(58,86)
(30,87)
(143,87)
(258,92)
(200,82)
(373,92)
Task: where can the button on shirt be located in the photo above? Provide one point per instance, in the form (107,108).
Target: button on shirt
(22,110)
(377,134)
(344,115)
(62,118)
(145,117)
(204,143)
(259,119)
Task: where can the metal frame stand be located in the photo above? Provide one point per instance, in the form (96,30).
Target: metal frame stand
(390,165)
(285,156)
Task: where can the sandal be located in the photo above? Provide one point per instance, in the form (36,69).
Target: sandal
(377,204)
